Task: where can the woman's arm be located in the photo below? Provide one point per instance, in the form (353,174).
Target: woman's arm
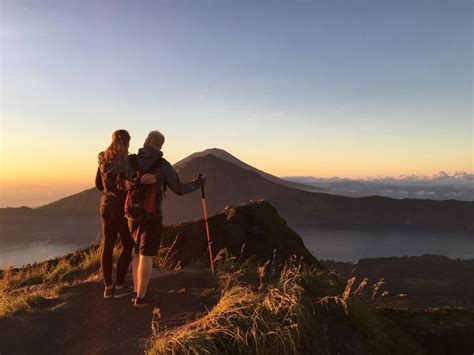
(129,180)
(98,181)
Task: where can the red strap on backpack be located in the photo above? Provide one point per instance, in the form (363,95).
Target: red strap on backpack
(150,199)
(143,198)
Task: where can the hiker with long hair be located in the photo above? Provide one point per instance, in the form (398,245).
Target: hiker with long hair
(146,177)
(114,223)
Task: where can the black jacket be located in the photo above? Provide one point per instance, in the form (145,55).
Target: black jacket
(106,180)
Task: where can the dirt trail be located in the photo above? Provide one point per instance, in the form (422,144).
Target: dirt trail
(82,322)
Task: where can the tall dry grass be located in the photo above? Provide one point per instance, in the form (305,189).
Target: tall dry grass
(272,318)
(281,313)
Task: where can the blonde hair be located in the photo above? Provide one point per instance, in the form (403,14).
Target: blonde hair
(119,146)
(155,139)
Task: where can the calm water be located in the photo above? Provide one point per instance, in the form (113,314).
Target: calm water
(354,244)
(18,255)
(324,243)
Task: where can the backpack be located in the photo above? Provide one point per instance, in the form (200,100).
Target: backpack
(141,200)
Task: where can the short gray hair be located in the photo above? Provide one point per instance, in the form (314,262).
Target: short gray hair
(155,139)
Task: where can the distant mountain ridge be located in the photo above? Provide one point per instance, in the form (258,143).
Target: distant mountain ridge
(85,201)
(76,217)
(229,184)
(224,155)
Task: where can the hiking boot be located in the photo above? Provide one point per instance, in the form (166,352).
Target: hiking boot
(109,293)
(122,292)
(145,301)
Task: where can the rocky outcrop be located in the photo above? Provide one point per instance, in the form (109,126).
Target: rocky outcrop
(251,229)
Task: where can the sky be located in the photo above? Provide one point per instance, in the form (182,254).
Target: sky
(323,88)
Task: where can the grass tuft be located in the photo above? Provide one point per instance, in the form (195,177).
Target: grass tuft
(26,289)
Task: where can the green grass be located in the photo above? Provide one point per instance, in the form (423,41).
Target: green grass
(66,271)
(432,320)
(382,336)
(26,289)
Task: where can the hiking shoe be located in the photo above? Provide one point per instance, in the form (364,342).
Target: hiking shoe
(145,301)
(122,292)
(109,293)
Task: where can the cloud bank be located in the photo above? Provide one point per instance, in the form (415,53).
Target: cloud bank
(458,185)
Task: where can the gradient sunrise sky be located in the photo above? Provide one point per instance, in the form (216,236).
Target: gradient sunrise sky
(324,88)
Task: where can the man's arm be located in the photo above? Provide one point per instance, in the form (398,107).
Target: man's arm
(174,183)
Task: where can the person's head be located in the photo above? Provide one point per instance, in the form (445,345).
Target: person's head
(155,140)
(119,147)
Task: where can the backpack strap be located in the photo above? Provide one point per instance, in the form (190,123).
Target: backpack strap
(154,165)
(133,162)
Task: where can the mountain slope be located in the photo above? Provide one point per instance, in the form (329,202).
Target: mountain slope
(83,202)
(228,184)
(224,155)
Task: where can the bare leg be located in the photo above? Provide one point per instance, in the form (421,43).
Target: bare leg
(145,266)
(135,271)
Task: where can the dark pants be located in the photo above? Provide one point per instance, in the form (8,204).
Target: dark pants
(146,235)
(114,223)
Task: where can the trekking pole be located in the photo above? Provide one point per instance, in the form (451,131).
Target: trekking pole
(204,207)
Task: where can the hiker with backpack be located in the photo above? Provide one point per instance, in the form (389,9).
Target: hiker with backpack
(111,162)
(146,177)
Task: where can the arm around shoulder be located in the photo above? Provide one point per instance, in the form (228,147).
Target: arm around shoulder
(126,180)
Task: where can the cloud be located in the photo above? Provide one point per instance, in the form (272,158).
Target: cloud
(442,185)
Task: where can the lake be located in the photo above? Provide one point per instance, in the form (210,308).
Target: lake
(342,244)
(347,244)
(22,254)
